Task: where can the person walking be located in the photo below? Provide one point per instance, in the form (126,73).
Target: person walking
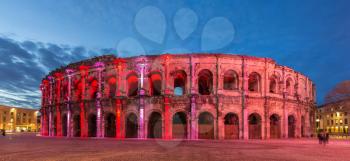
(327,137)
(319,136)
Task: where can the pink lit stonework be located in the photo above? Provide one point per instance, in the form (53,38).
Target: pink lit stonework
(183,96)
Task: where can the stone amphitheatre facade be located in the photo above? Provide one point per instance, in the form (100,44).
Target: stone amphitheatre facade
(184,96)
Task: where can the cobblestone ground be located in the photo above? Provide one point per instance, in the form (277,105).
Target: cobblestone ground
(31,147)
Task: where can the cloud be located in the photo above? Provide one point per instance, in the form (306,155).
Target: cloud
(24,64)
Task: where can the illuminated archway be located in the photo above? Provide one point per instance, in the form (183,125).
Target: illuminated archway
(180,125)
(131,126)
(76,126)
(254,82)
(291,126)
(64,125)
(205,82)
(231,126)
(133,84)
(155,125)
(230,80)
(254,126)
(92,125)
(110,125)
(275,126)
(180,78)
(205,126)
(155,84)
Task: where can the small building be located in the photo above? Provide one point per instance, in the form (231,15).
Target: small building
(15,119)
(334,117)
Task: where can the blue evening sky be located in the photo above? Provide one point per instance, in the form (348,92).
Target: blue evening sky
(37,36)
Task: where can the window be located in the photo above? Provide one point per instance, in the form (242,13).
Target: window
(230,80)
(205,82)
(180,78)
(327,122)
(254,82)
(345,121)
(332,122)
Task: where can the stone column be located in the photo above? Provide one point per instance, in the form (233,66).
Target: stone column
(58,79)
(167,118)
(141,129)
(118,119)
(244,125)
(100,118)
(51,131)
(307,123)
(83,129)
(69,110)
(194,132)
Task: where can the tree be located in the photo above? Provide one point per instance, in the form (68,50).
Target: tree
(340,92)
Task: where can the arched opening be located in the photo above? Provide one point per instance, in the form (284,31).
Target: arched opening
(289,88)
(155,125)
(180,125)
(302,126)
(230,80)
(64,125)
(112,86)
(133,84)
(231,126)
(156,84)
(291,126)
(180,78)
(76,126)
(205,82)
(93,88)
(92,125)
(275,126)
(47,124)
(205,126)
(273,84)
(78,90)
(254,126)
(54,125)
(131,126)
(110,125)
(254,82)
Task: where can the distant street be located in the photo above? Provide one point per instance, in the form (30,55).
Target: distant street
(31,147)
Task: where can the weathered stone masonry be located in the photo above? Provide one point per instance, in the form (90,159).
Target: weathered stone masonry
(185,96)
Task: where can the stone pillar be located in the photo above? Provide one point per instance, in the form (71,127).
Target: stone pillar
(244,126)
(51,131)
(118,108)
(100,118)
(141,132)
(307,123)
(167,118)
(194,132)
(83,128)
(58,80)
(285,121)
(69,110)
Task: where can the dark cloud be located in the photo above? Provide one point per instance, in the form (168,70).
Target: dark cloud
(24,64)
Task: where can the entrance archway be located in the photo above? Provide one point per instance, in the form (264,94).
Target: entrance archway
(155,125)
(110,125)
(76,126)
(64,125)
(254,126)
(179,125)
(92,125)
(275,126)
(302,126)
(205,126)
(231,126)
(291,126)
(131,126)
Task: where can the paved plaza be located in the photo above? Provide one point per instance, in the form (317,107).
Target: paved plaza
(31,147)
